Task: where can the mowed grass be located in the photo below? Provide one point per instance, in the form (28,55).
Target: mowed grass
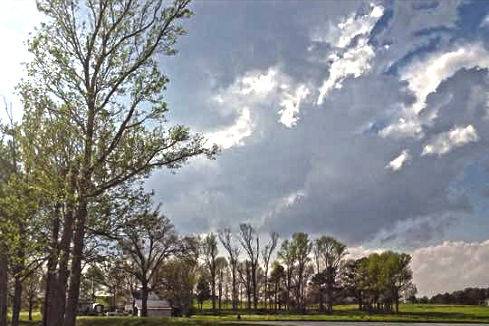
(408,313)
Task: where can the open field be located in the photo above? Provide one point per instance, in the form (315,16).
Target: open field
(344,313)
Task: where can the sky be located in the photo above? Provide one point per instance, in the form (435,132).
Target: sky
(363,120)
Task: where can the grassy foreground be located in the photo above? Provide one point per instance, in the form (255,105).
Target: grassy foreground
(408,313)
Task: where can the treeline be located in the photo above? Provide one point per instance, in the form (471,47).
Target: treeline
(306,274)
(467,296)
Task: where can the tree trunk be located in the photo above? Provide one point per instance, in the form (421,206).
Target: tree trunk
(3,287)
(235,290)
(76,262)
(48,305)
(321,299)
(213,292)
(60,283)
(17,301)
(31,304)
(144,299)
(254,285)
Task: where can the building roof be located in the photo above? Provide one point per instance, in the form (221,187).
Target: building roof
(154,304)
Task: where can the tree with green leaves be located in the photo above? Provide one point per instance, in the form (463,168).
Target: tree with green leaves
(203,291)
(177,277)
(302,248)
(287,255)
(148,240)
(277,277)
(95,73)
(329,254)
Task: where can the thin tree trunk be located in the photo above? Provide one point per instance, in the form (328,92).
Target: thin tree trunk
(213,292)
(31,304)
(235,290)
(16,302)
(48,305)
(77,257)
(254,285)
(3,287)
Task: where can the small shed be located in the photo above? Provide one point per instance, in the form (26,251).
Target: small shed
(156,307)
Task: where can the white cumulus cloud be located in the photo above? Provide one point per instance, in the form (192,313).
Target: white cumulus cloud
(235,134)
(354,54)
(446,141)
(290,106)
(397,163)
(423,79)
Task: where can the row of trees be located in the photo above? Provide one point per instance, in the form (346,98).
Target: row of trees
(93,127)
(303,273)
(467,296)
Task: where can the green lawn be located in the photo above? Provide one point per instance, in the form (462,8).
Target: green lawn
(408,313)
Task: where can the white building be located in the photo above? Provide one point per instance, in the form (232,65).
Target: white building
(156,307)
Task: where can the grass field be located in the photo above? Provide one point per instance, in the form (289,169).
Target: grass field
(408,313)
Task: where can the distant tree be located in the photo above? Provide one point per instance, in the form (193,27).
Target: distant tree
(32,286)
(250,242)
(226,238)
(245,276)
(302,248)
(203,291)
(287,255)
(329,254)
(221,268)
(266,256)
(176,278)
(277,277)
(409,293)
(147,241)
(209,253)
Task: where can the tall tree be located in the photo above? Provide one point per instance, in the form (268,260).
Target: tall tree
(302,249)
(95,67)
(210,252)
(287,255)
(329,256)
(221,268)
(250,242)
(226,238)
(267,253)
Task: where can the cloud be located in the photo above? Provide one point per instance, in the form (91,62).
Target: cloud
(446,141)
(417,231)
(235,134)
(485,22)
(291,106)
(257,90)
(354,53)
(424,77)
(451,266)
(397,163)
(258,84)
